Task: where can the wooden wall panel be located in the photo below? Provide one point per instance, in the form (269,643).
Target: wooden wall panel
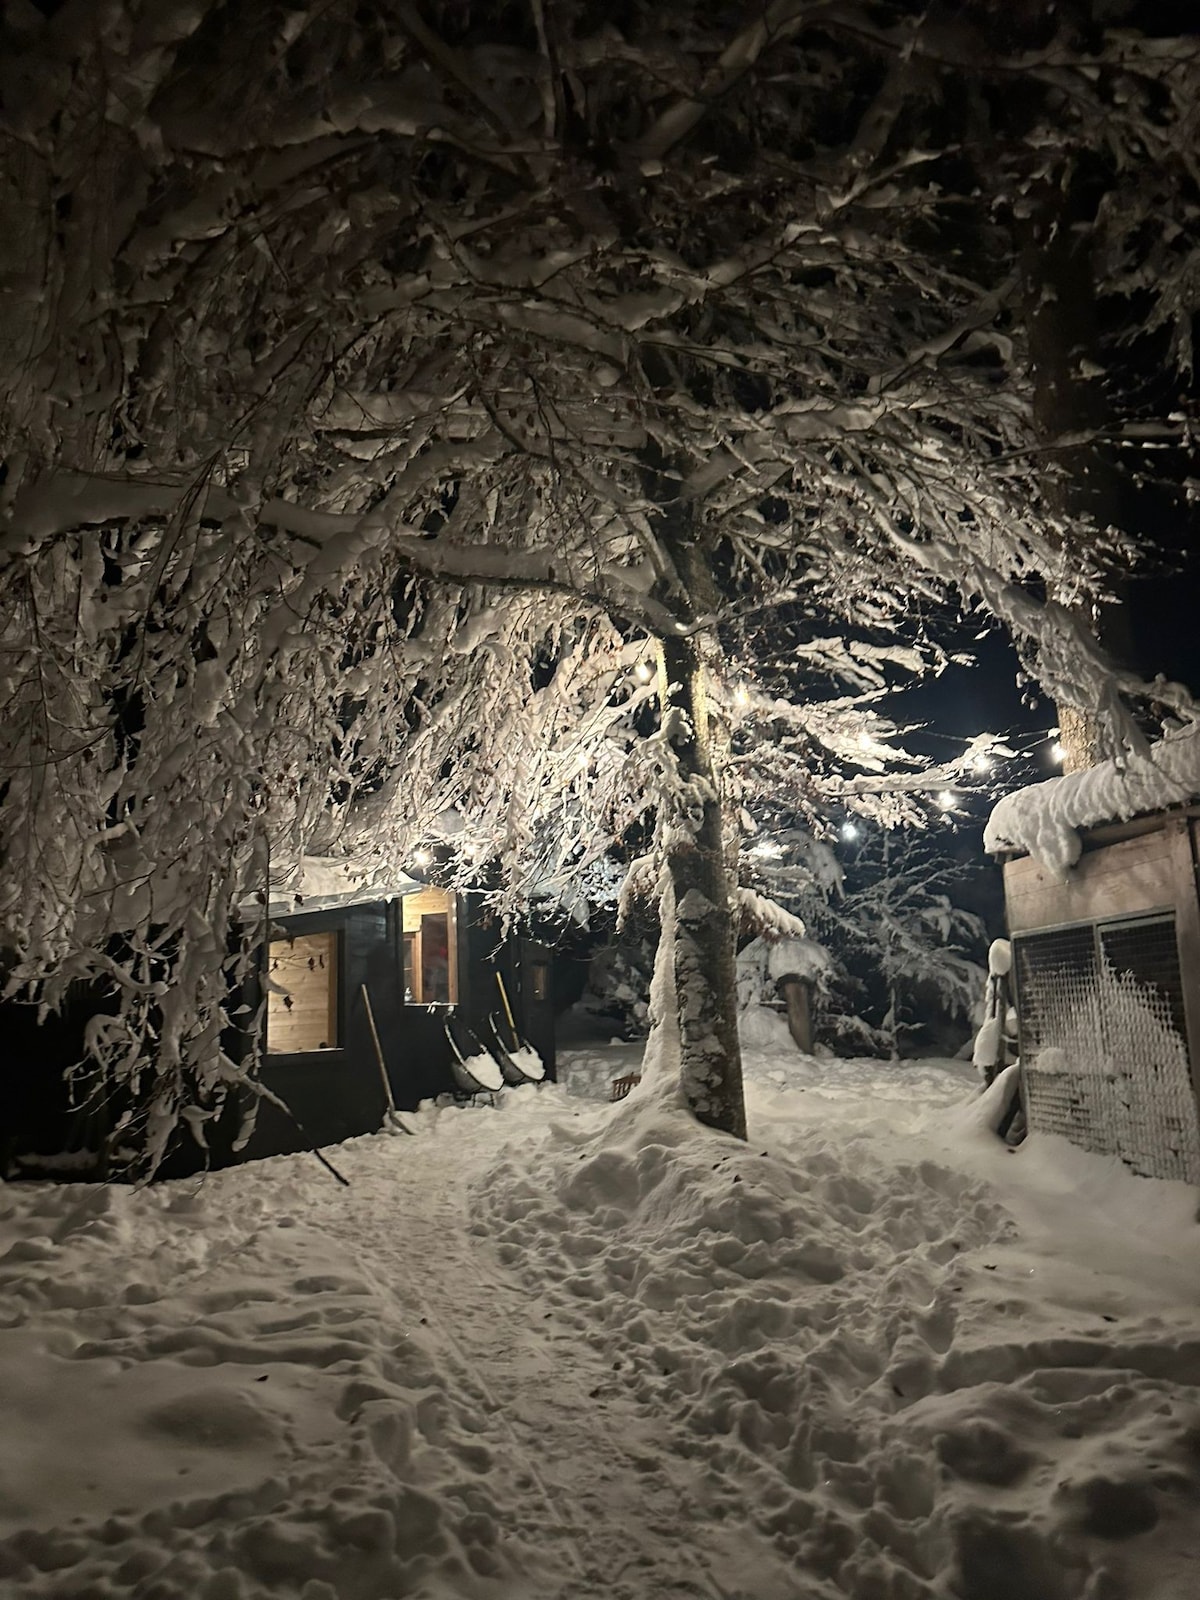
(1125,878)
(305,1018)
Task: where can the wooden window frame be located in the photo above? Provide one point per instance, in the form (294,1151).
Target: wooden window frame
(412,914)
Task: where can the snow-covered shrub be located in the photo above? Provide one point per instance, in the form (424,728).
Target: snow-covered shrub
(617,990)
(902,954)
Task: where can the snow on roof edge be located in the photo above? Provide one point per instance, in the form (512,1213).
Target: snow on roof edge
(1044,820)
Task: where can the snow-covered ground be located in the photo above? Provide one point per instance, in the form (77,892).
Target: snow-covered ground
(574,1349)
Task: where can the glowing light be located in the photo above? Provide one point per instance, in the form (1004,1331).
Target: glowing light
(422,858)
(1058,752)
(946,800)
(865,742)
(981,763)
(741,695)
(643,672)
(849,831)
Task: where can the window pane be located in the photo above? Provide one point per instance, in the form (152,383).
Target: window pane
(304,1016)
(430,948)
(435,958)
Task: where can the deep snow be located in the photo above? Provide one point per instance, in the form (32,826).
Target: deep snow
(571,1349)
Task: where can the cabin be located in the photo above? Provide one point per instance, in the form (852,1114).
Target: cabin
(406,978)
(1104,918)
(351,978)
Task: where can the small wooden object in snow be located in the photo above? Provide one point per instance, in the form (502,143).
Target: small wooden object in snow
(622,1086)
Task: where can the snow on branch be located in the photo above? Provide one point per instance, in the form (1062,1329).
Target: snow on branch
(768,917)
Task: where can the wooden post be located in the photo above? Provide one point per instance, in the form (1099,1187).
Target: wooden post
(797,994)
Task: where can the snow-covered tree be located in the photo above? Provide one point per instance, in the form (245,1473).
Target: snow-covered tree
(386,392)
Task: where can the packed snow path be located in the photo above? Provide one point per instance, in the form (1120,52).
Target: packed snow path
(565,1350)
(593,1470)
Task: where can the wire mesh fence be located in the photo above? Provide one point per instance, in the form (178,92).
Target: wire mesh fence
(1104,1045)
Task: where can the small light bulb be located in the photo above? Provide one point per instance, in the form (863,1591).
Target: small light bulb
(643,672)
(981,763)
(1058,751)
(946,800)
(849,831)
(422,858)
(741,695)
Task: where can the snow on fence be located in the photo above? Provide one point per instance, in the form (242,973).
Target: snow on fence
(1104,1042)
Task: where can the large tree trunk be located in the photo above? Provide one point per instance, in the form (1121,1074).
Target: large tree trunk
(705,925)
(705,930)
(1069,403)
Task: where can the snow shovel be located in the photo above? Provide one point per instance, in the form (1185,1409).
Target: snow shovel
(393,1121)
(512,1027)
(478,1073)
(521,1063)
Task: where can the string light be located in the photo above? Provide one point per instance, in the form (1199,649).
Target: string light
(741,695)
(946,800)
(643,672)
(422,858)
(849,832)
(1058,752)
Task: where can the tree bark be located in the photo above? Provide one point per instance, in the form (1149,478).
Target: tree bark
(1060,319)
(694,832)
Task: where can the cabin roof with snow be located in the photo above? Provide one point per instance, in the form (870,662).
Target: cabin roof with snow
(1047,820)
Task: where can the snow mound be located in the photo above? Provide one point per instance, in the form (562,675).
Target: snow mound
(843,1334)
(587,1350)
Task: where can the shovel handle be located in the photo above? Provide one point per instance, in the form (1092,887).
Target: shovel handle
(387,1084)
(512,1027)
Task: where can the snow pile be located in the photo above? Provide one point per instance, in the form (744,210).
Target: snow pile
(558,1349)
(873,1377)
(588,1072)
(1043,821)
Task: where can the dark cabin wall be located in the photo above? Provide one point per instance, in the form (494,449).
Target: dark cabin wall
(527,969)
(43,1111)
(339,1093)
(331,1094)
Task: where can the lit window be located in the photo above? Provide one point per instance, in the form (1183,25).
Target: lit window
(430,940)
(302,1010)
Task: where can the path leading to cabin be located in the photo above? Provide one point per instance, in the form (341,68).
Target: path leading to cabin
(598,1499)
